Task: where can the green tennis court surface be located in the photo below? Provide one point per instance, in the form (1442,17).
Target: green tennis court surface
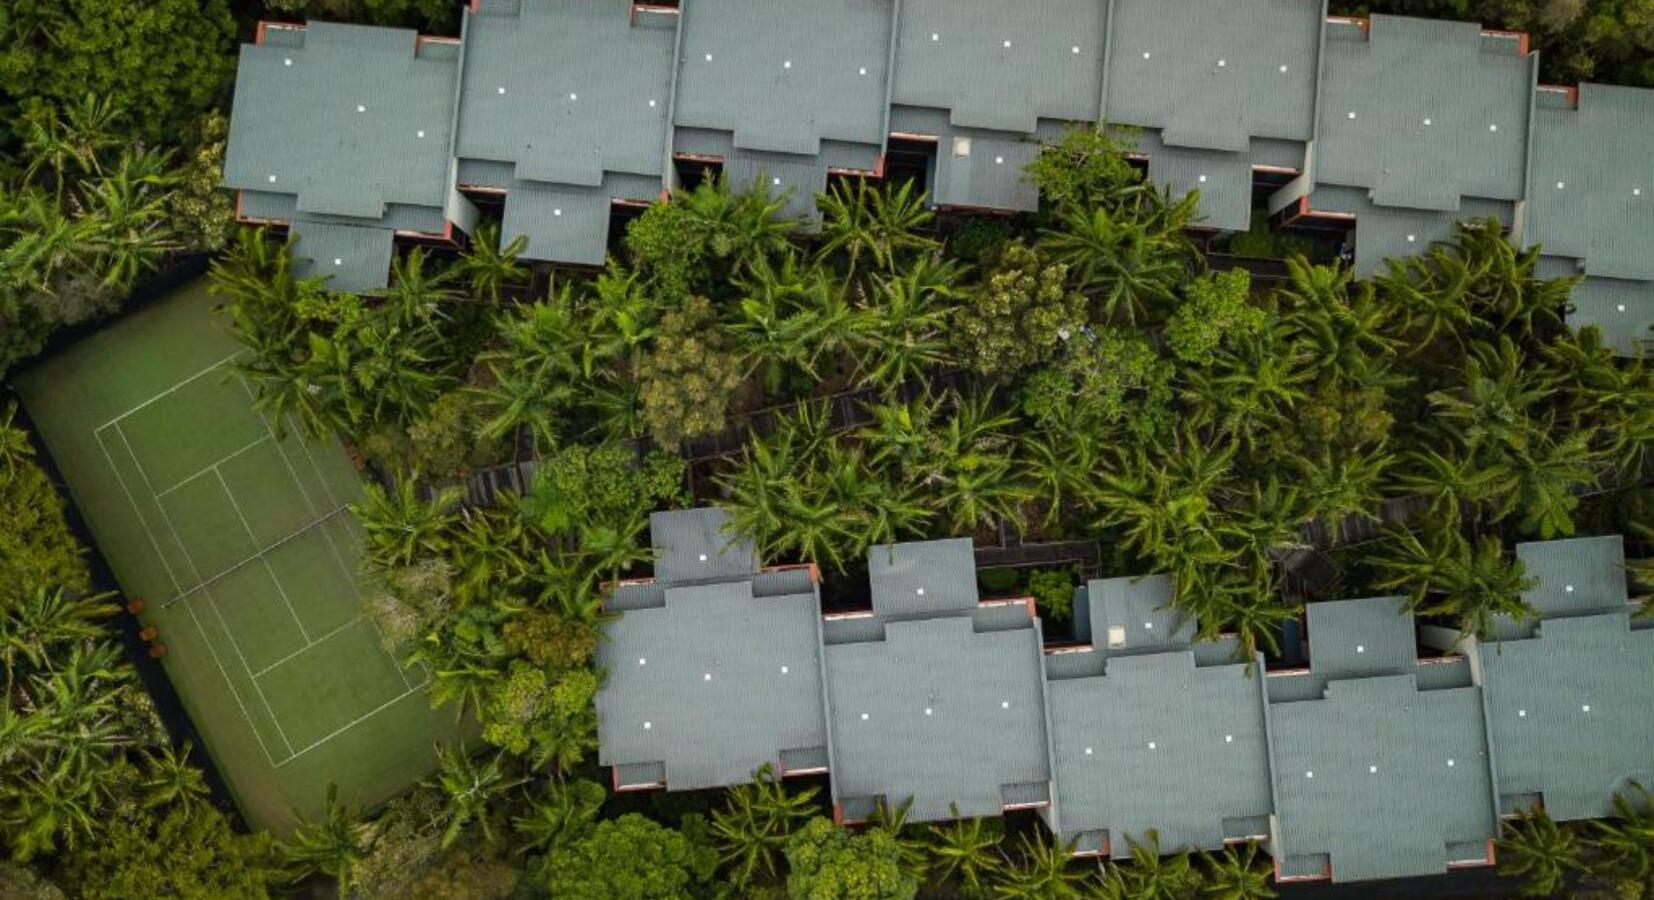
(246,552)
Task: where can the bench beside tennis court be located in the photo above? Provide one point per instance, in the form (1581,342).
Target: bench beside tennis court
(238,536)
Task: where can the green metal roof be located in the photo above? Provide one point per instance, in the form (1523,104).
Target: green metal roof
(1001,66)
(713,684)
(1378,779)
(346,119)
(348,257)
(1389,121)
(712,669)
(1568,696)
(939,712)
(1152,728)
(1211,76)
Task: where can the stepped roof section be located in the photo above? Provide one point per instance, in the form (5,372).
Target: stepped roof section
(936,703)
(1568,694)
(986,79)
(1423,121)
(1379,760)
(713,666)
(1216,88)
(1143,713)
(565,108)
(1591,204)
(784,90)
(344,133)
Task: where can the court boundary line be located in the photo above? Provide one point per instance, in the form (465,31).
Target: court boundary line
(351,578)
(210,467)
(149,533)
(167,391)
(204,586)
(263,557)
(167,518)
(358,720)
(288,658)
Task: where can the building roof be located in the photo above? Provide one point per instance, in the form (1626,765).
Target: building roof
(1131,613)
(1159,726)
(922,578)
(785,74)
(692,545)
(563,119)
(1568,696)
(1622,310)
(344,118)
(349,257)
(1001,67)
(712,685)
(1590,188)
(1212,76)
(1568,709)
(1380,762)
(1387,124)
(940,713)
(1378,779)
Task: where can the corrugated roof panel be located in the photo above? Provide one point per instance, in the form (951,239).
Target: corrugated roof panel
(784,74)
(1622,310)
(350,258)
(939,713)
(1157,727)
(1591,191)
(1388,123)
(1380,778)
(799,178)
(1224,181)
(714,685)
(353,119)
(922,578)
(567,90)
(562,224)
(1213,75)
(984,171)
(698,544)
(1002,66)
(1372,636)
(1569,712)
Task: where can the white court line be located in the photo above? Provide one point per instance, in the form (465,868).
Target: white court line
(351,578)
(266,670)
(211,466)
(353,723)
(262,558)
(210,599)
(142,521)
(166,392)
(257,688)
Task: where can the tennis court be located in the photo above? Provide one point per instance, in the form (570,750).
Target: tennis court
(244,549)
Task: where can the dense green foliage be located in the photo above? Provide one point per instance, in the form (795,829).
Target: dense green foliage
(1075,374)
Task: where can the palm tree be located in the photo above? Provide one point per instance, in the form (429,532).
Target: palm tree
(401,526)
(756,821)
(904,337)
(333,845)
(560,814)
(489,267)
(1627,840)
(966,852)
(1238,873)
(472,790)
(172,780)
(36,624)
(1130,267)
(1540,852)
(1151,876)
(129,207)
(882,222)
(1041,870)
(14,442)
(784,314)
(1448,576)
